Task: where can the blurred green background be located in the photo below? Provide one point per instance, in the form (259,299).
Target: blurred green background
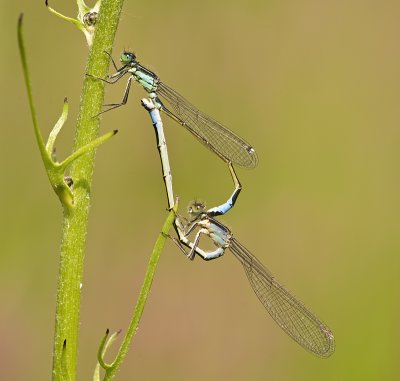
(315,87)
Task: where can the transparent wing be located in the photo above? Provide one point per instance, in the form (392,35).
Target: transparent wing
(291,315)
(211,133)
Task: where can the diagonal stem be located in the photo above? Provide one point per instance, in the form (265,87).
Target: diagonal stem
(112,369)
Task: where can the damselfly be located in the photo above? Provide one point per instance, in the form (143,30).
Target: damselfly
(290,314)
(223,142)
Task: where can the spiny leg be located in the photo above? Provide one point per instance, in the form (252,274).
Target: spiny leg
(115,77)
(112,60)
(113,106)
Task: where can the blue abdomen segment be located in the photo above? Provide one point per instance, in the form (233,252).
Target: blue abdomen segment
(222,209)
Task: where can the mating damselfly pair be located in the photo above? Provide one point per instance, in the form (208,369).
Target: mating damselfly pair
(290,314)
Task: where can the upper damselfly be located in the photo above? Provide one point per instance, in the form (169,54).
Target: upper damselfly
(223,142)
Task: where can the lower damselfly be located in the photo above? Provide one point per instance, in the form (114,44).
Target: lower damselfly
(288,311)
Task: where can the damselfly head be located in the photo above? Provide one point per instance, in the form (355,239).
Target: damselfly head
(196,207)
(127,58)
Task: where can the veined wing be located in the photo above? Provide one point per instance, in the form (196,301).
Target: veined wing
(291,315)
(211,133)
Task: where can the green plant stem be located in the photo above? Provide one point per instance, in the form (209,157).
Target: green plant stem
(75,219)
(111,370)
(24,61)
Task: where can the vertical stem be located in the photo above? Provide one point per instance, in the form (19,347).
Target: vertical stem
(75,219)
